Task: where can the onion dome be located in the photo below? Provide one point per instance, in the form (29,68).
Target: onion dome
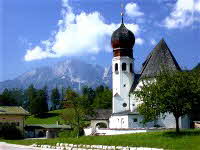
(122,38)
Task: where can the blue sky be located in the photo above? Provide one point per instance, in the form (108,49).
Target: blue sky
(36,33)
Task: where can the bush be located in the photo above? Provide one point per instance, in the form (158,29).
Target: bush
(68,133)
(9,131)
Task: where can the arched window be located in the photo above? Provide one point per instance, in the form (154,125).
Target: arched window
(123,66)
(116,67)
(131,67)
(101,125)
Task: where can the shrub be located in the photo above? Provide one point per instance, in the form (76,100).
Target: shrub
(67,133)
(9,131)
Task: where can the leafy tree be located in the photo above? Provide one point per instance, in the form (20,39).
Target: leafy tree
(55,98)
(76,102)
(170,92)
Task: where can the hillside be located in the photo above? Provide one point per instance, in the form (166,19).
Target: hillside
(49,118)
(188,140)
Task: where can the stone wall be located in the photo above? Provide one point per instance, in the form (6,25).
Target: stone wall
(66,146)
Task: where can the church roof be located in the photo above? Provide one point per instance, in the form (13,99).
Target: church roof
(135,83)
(160,57)
(12,110)
(100,114)
(197,66)
(128,112)
(122,38)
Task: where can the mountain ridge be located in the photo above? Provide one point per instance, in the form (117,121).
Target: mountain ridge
(72,73)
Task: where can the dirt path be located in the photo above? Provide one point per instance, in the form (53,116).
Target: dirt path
(6,146)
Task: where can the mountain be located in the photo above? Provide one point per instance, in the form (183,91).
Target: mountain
(72,72)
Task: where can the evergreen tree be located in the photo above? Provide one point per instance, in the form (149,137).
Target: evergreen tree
(7,98)
(89,94)
(55,98)
(37,100)
(103,98)
(31,94)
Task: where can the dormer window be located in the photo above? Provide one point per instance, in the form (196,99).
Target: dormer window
(123,66)
(116,67)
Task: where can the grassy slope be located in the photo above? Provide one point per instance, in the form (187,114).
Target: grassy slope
(167,140)
(49,118)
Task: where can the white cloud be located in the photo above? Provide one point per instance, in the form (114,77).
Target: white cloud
(77,35)
(184,13)
(139,41)
(37,53)
(197,6)
(133,10)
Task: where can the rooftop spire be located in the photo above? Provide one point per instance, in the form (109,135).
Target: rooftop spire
(122,12)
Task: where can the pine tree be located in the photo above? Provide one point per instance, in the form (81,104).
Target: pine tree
(55,98)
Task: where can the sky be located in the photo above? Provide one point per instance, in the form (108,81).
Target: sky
(35,33)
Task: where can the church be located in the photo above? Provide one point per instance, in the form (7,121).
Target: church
(124,115)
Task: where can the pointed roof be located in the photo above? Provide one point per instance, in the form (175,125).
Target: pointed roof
(160,57)
(197,66)
(12,110)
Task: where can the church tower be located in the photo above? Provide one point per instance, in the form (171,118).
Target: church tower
(122,42)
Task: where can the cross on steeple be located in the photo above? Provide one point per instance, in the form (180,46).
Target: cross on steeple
(122,12)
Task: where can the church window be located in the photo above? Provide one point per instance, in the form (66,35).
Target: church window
(131,67)
(124,104)
(124,85)
(135,120)
(123,66)
(133,104)
(116,67)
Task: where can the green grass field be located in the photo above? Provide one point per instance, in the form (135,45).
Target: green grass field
(187,140)
(49,118)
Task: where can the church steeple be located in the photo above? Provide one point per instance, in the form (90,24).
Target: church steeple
(122,13)
(122,40)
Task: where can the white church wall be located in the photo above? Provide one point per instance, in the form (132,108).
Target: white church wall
(118,131)
(167,122)
(118,103)
(134,121)
(118,122)
(185,122)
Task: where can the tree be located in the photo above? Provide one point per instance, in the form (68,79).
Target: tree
(37,100)
(171,92)
(55,98)
(7,98)
(40,103)
(30,93)
(103,98)
(76,102)
(89,95)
